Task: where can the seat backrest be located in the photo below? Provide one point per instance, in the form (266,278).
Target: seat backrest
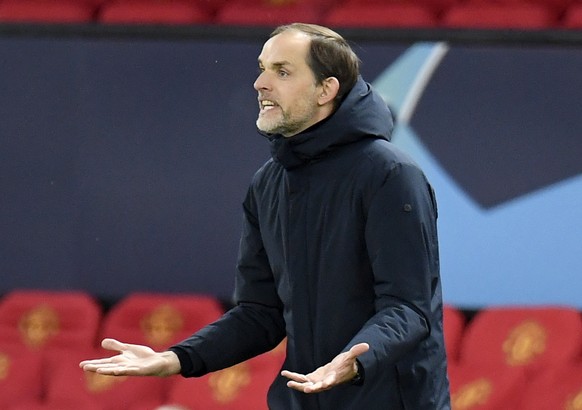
(572,18)
(436,6)
(71,388)
(556,5)
(57,11)
(527,337)
(40,319)
(153,12)
(499,16)
(556,388)
(380,15)
(266,14)
(20,377)
(484,387)
(240,387)
(159,320)
(68,404)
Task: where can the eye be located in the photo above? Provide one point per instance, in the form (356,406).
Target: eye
(283,73)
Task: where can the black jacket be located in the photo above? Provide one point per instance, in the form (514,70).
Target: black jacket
(339,246)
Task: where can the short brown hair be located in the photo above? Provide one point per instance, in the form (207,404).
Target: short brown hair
(330,55)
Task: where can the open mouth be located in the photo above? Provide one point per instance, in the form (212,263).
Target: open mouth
(267,105)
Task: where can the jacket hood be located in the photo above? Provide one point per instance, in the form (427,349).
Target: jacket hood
(362,114)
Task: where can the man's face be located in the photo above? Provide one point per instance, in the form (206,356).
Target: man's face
(288,94)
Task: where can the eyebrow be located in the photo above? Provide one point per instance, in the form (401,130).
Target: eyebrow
(277,64)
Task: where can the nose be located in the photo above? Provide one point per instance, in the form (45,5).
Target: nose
(261,83)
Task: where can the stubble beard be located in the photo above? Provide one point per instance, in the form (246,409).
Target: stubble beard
(286,124)
(279,125)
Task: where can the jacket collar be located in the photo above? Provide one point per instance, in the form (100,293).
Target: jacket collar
(362,114)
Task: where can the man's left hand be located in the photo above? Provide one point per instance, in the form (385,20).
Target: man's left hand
(342,369)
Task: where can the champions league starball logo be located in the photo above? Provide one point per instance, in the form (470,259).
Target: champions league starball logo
(495,130)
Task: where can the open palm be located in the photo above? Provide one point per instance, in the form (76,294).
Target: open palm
(340,370)
(133,360)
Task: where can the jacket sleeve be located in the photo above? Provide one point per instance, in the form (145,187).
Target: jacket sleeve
(255,325)
(401,240)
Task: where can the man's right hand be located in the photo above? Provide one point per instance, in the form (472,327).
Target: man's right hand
(133,360)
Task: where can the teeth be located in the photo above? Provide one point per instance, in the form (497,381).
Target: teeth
(267,103)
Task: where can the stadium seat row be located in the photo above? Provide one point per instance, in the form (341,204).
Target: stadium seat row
(515,358)
(501,358)
(45,334)
(480,14)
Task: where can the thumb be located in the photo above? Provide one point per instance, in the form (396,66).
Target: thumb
(113,344)
(360,348)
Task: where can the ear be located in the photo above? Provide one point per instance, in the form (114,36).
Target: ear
(329,90)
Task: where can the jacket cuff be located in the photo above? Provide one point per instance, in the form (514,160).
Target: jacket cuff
(358,380)
(191,364)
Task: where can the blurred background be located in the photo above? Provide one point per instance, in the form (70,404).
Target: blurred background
(128,140)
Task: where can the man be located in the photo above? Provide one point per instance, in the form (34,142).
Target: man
(338,252)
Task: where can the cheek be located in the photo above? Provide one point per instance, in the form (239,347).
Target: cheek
(302,99)
(297,98)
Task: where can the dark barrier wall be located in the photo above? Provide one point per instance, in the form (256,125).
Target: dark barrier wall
(124,161)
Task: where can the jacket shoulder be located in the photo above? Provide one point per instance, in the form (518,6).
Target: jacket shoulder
(384,159)
(385,152)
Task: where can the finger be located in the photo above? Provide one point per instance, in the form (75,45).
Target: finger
(119,371)
(309,387)
(113,344)
(359,349)
(101,367)
(298,377)
(88,367)
(94,362)
(302,387)
(97,364)
(112,369)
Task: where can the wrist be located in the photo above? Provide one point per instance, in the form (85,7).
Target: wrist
(172,363)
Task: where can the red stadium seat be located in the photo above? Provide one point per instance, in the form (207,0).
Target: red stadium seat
(454,325)
(169,12)
(46,11)
(572,18)
(436,6)
(557,6)
(240,387)
(529,338)
(211,6)
(499,16)
(486,387)
(41,320)
(159,320)
(70,388)
(60,405)
(247,13)
(20,377)
(381,15)
(557,388)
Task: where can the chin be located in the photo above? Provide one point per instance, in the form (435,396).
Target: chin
(266,127)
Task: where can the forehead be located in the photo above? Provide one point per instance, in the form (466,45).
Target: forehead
(290,46)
